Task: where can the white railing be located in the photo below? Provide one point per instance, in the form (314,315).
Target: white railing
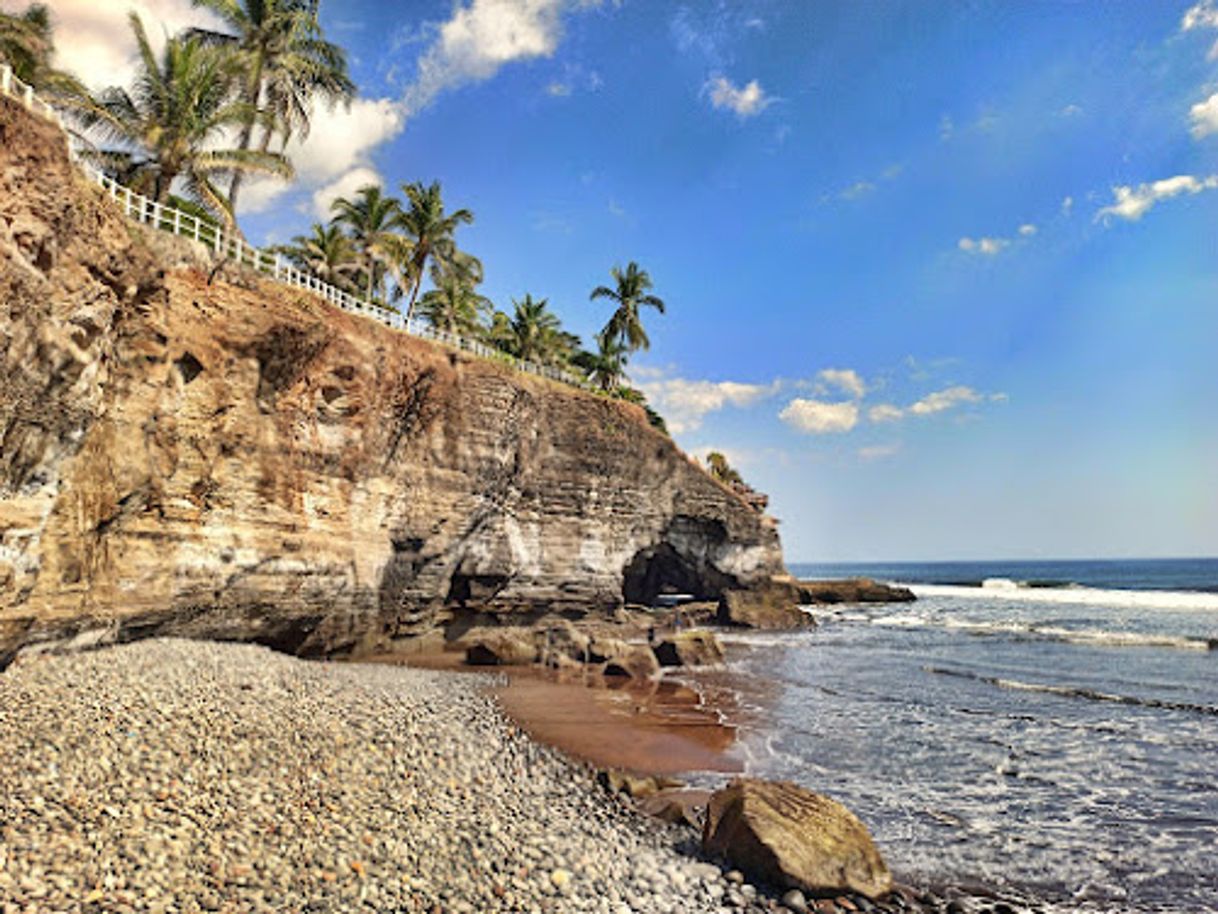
(230,245)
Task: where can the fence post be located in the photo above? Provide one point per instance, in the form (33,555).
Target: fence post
(177,222)
(6,79)
(27,97)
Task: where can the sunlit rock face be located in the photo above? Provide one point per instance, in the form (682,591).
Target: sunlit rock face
(214,456)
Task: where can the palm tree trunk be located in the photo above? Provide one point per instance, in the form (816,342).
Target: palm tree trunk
(253,89)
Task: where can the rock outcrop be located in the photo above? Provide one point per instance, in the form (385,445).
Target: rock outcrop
(244,461)
(693,648)
(852,590)
(774,605)
(780,833)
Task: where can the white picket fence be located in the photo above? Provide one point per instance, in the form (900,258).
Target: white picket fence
(227,244)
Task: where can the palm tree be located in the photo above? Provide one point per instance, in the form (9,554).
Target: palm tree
(177,110)
(370,217)
(454,306)
(535,330)
(605,367)
(630,294)
(27,45)
(427,234)
(286,62)
(326,253)
(718,466)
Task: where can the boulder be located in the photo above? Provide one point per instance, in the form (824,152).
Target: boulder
(501,650)
(561,638)
(637,662)
(782,834)
(601,650)
(696,648)
(852,590)
(677,807)
(773,606)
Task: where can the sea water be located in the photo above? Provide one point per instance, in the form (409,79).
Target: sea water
(1047,727)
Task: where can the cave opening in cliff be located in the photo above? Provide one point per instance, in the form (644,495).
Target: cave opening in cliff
(662,570)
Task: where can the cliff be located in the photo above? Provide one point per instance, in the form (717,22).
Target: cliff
(239,460)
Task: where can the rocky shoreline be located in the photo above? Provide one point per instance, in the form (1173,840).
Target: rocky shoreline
(180,776)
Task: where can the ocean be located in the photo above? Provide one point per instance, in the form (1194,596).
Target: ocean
(1043,727)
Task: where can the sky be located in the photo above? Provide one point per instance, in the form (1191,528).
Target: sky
(941,277)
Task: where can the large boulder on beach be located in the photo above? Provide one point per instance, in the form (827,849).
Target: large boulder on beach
(501,650)
(636,662)
(562,639)
(775,606)
(780,833)
(696,648)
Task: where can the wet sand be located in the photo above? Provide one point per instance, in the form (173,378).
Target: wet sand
(658,727)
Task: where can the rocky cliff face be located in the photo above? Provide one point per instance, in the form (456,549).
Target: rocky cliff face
(239,460)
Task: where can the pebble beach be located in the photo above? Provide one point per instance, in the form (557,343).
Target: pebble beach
(179,776)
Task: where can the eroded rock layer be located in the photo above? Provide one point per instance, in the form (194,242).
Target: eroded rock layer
(222,457)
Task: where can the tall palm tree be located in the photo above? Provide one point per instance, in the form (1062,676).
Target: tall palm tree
(454,306)
(176,111)
(285,62)
(630,293)
(326,253)
(427,235)
(605,367)
(27,44)
(370,217)
(535,330)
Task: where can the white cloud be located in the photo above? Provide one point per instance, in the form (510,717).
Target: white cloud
(857,189)
(846,380)
(885,412)
(746,101)
(943,400)
(1133,202)
(819,418)
(1204,15)
(1027,230)
(1070,111)
(558,90)
(879,451)
(346,186)
(1067,205)
(93,39)
(1204,116)
(340,142)
(684,402)
(483,36)
(987,246)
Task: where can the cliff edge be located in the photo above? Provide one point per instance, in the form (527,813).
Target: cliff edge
(239,460)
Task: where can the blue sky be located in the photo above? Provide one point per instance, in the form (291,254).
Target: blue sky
(942,278)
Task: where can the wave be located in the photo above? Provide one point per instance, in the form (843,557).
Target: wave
(1044,592)
(1031,631)
(1074,692)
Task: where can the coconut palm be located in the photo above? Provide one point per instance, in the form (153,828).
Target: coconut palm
(630,293)
(535,331)
(27,45)
(167,126)
(369,217)
(454,306)
(326,253)
(285,62)
(718,466)
(427,236)
(605,367)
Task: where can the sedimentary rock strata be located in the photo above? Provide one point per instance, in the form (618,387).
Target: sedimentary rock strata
(239,460)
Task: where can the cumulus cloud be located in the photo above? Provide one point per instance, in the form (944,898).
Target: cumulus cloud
(987,246)
(1027,230)
(943,400)
(340,144)
(684,402)
(817,417)
(1131,203)
(346,186)
(481,37)
(745,101)
(846,380)
(885,412)
(1204,116)
(93,39)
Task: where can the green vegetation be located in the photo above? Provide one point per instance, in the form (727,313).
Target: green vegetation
(718,466)
(258,81)
(27,45)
